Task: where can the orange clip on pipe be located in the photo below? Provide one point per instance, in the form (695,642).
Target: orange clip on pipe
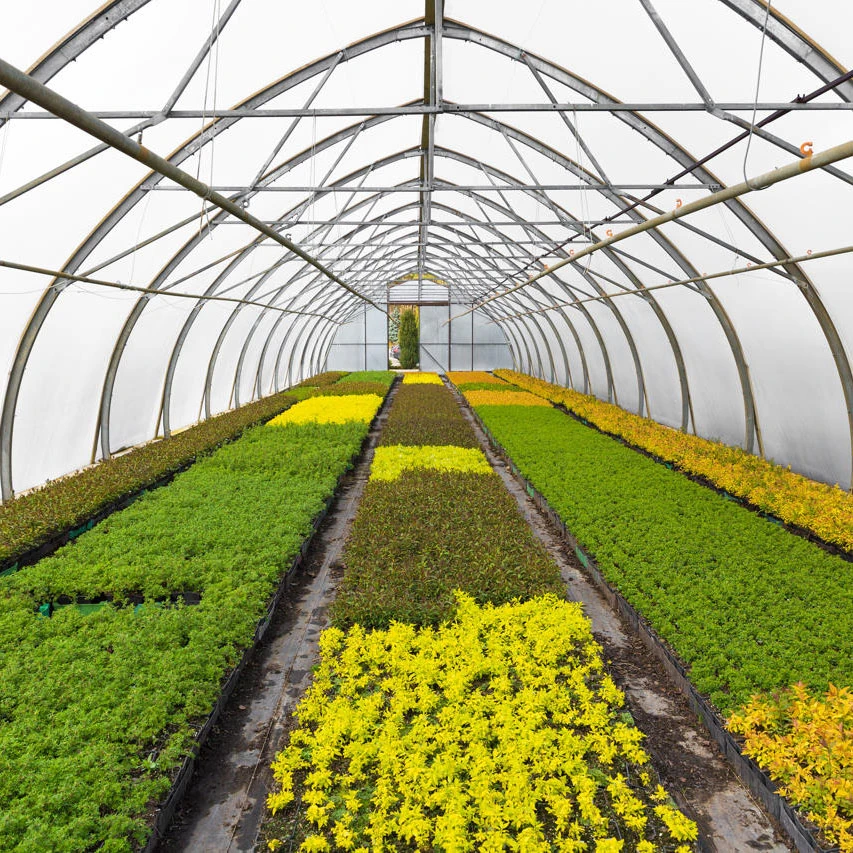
(807,149)
(678,203)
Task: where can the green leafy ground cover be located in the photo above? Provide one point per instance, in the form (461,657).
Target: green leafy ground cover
(97,711)
(418,538)
(34,518)
(747,605)
(467,720)
(497,730)
(339,389)
(426,414)
(386,377)
(342,388)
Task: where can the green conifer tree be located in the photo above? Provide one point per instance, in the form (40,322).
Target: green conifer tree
(409,335)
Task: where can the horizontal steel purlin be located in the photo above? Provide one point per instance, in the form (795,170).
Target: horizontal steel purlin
(448,109)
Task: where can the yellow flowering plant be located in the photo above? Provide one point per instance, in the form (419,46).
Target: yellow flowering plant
(390,462)
(504,398)
(331,410)
(496,730)
(805,742)
(422,379)
(825,510)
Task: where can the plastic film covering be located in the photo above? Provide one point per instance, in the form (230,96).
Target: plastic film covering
(452,154)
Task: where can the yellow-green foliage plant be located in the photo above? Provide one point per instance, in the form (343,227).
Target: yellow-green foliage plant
(496,730)
(390,462)
(805,742)
(422,379)
(361,408)
(825,510)
(504,398)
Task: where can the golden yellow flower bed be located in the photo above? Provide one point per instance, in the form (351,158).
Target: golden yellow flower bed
(806,743)
(496,731)
(462,377)
(331,410)
(422,379)
(504,398)
(391,461)
(825,510)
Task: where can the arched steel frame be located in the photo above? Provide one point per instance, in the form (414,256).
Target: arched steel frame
(780,30)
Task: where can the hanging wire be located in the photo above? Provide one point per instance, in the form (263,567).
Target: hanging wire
(212,65)
(138,235)
(755,99)
(218,18)
(312,171)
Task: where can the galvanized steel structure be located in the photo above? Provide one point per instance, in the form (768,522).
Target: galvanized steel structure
(519,207)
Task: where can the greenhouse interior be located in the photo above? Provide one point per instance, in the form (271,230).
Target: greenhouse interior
(426,426)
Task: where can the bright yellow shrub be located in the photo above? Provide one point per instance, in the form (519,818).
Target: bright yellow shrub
(465,736)
(504,398)
(805,743)
(391,461)
(331,410)
(461,377)
(825,510)
(422,379)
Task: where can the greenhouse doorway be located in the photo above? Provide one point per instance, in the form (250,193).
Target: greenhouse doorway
(404,324)
(453,337)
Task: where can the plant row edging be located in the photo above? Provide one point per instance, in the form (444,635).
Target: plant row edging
(759,784)
(166,811)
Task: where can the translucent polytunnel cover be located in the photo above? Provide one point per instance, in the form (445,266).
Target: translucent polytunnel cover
(319,155)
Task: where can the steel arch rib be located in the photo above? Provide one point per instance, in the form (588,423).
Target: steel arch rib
(794,41)
(372,122)
(438,224)
(751,417)
(440,206)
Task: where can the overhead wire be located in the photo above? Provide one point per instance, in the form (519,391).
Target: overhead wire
(755,98)
(138,236)
(634,202)
(213,50)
